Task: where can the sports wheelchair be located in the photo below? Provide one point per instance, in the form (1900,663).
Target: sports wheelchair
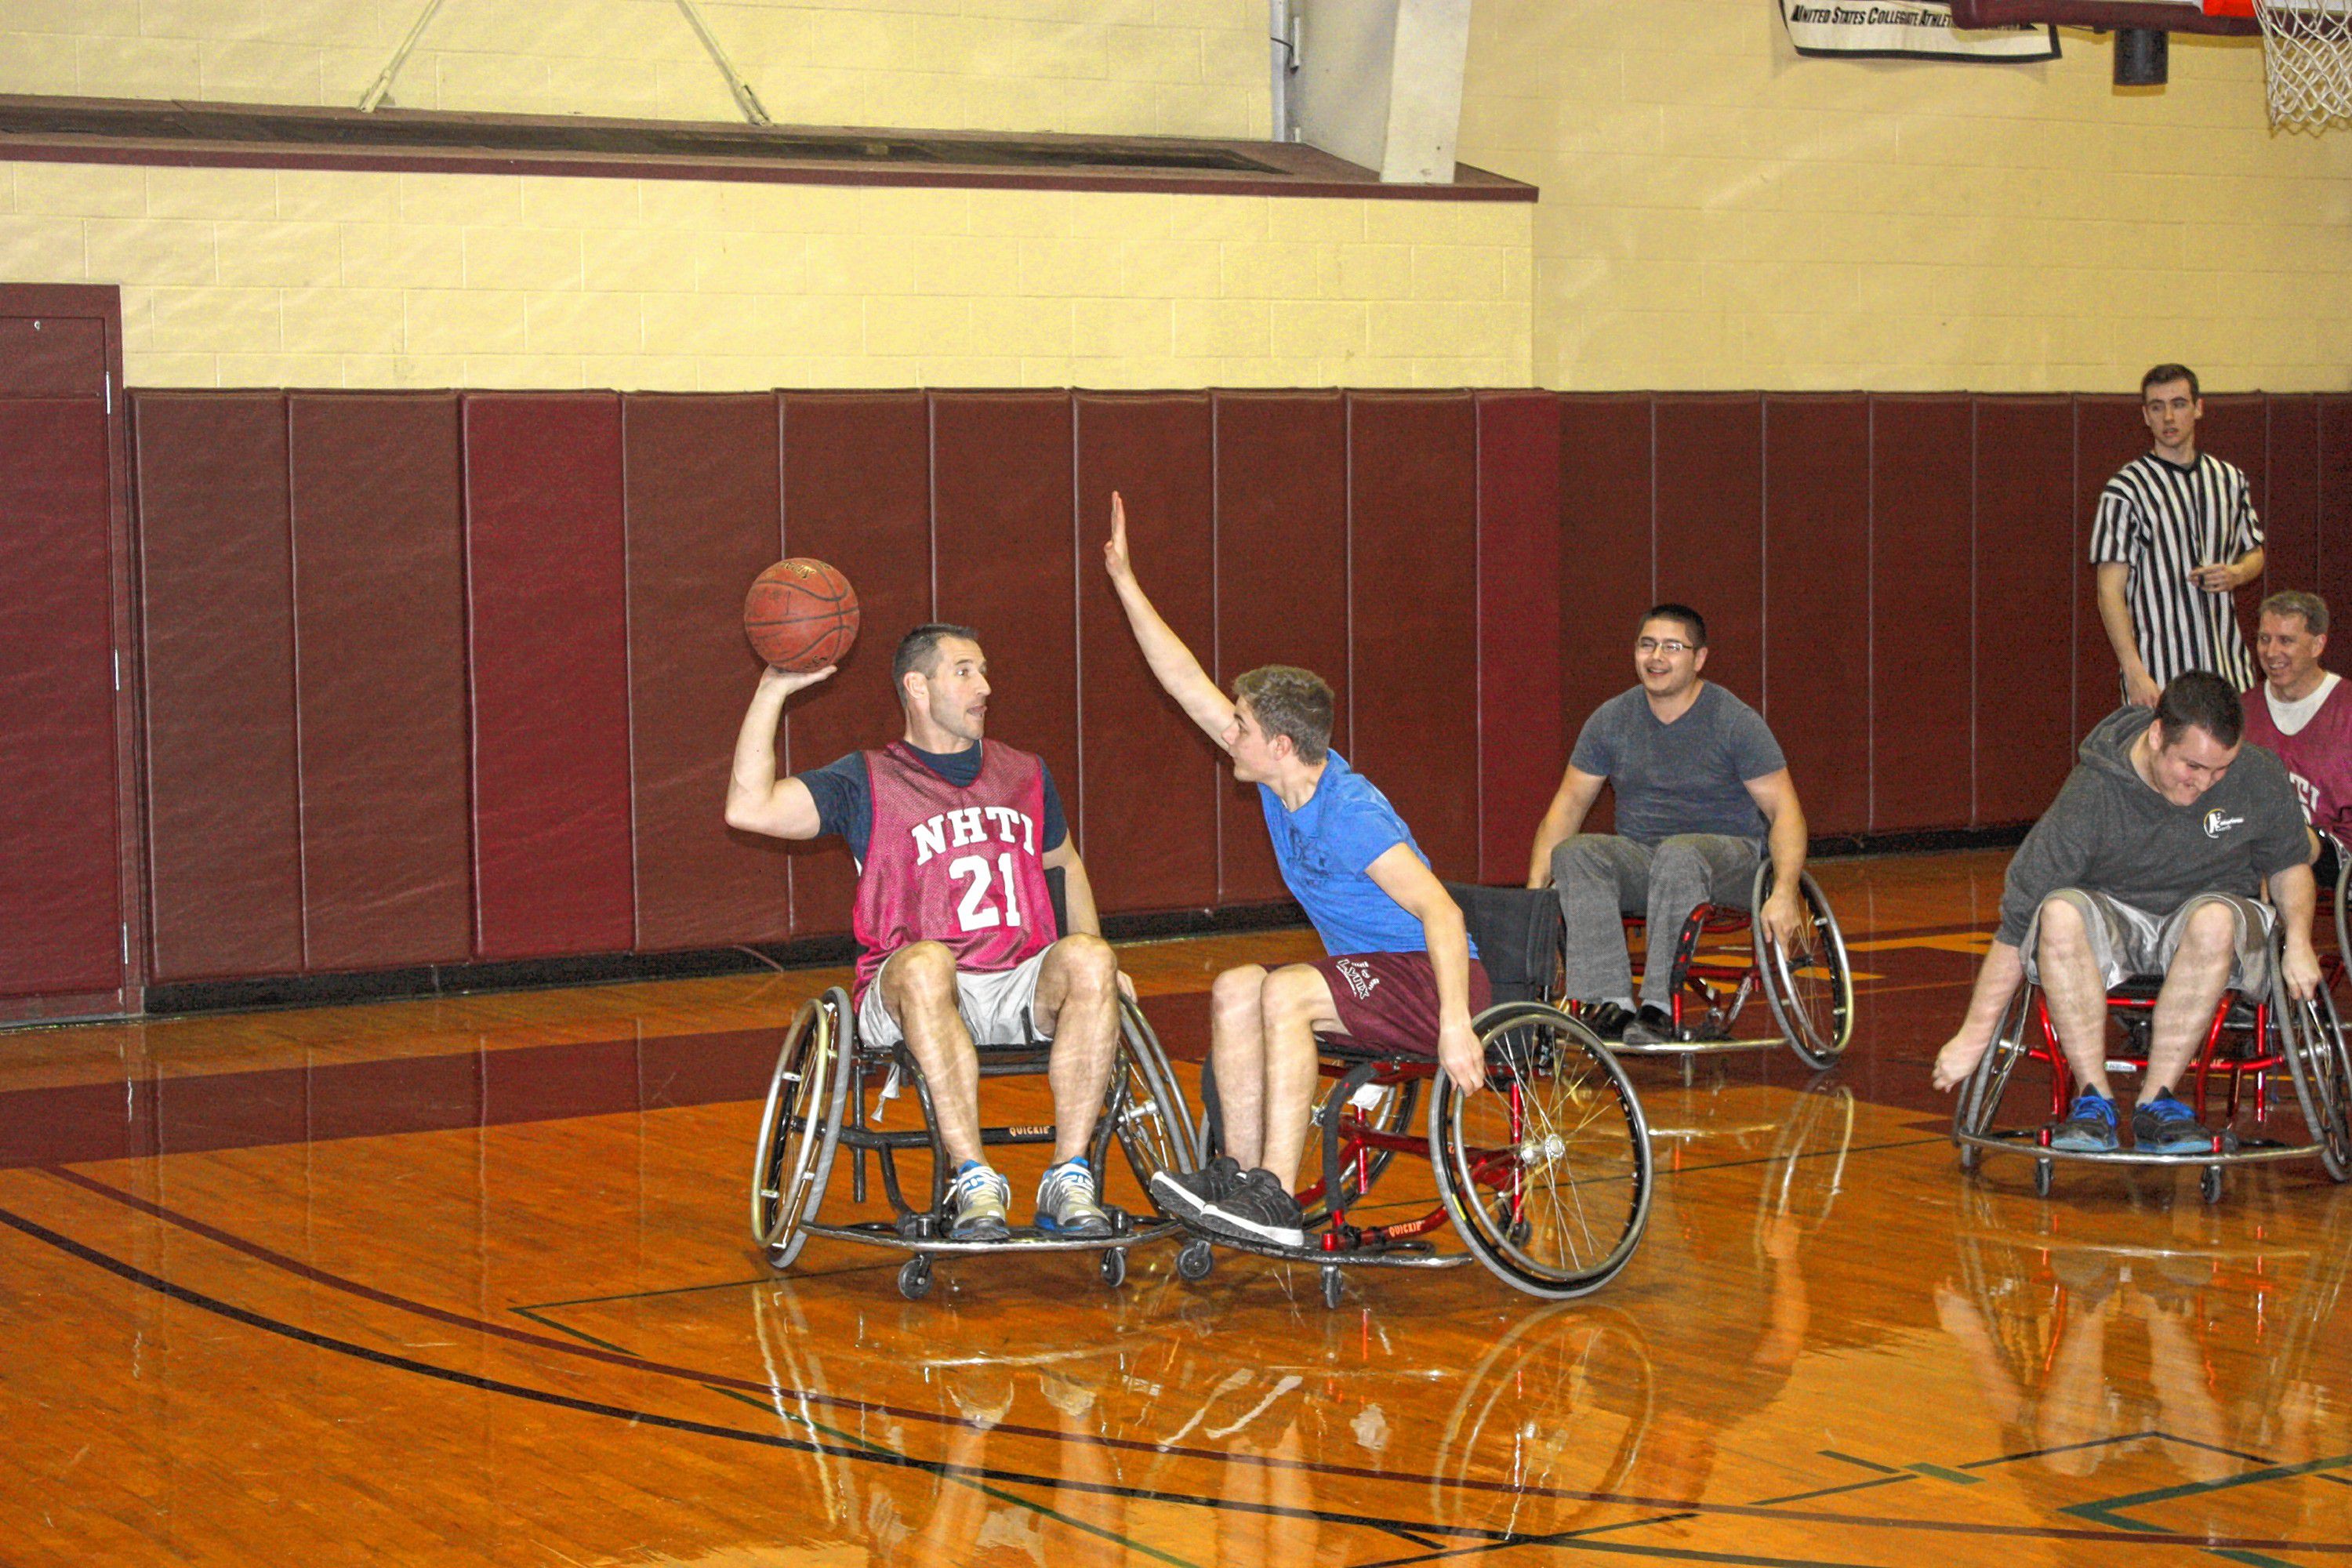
(1546,1176)
(1808,993)
(823,1097)
(2250,1037)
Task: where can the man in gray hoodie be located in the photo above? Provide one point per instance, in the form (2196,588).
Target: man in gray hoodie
(2149,862)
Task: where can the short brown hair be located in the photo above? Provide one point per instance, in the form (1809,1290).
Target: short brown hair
(2162,374)
(2295,601)
(1290,702)
(2200,700)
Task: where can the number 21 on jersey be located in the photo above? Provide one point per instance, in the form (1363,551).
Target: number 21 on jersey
(977,910)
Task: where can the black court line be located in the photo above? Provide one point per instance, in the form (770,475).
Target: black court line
(1353,1472)
(634,1417)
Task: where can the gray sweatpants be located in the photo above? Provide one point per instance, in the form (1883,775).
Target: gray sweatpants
(1601,877)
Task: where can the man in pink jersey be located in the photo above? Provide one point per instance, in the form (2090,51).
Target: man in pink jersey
(952,837)
(2302,711)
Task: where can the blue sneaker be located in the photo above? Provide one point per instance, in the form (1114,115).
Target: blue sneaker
(1069,1203)
(2166,1126)
(2089,1127)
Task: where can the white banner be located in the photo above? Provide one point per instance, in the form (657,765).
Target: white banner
(1917,29)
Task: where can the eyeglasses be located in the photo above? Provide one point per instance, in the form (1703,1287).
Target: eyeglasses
(1667,646)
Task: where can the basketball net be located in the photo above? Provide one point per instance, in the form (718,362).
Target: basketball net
(2307,54)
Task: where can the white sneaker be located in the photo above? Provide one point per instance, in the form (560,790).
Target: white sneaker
(977,1200)
(1067,1202)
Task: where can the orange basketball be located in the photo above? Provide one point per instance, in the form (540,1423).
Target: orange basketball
(801,615)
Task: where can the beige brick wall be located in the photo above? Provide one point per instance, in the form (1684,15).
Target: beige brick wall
(1171,68)
(235,278)
(1719,212)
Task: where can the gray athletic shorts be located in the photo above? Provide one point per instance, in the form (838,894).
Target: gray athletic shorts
(2128,941)
(997,1005)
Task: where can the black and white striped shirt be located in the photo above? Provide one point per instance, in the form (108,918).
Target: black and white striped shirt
(2163,520)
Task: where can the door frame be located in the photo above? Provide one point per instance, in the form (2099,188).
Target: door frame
(102,303)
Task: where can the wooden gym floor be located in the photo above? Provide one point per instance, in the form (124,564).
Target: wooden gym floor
(468,1282)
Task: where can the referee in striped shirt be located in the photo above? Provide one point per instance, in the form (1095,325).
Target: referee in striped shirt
(2176,533)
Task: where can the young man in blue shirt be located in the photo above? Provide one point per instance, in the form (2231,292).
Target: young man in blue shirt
(1398,972)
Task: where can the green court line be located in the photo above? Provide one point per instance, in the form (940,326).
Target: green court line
(1858,1460)
(1957,1477)
(567,1329)
(948,1474)
(2110,1511)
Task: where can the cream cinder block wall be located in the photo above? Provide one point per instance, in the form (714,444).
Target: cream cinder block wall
(1721,212)
(1171,68)
(254,278)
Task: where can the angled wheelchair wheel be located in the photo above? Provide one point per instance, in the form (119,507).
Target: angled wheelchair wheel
(1980,1097)
(800,1128)
(1546,1173)
(2311,1036)
(1809,987)
(1145,1110)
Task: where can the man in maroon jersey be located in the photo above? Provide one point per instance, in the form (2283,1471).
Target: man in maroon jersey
(952,837)
(2304,713)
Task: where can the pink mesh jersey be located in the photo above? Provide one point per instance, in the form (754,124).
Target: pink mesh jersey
(960,866)
(2318,757)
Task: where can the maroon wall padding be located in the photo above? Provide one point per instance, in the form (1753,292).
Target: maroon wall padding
(1004,543)
(702,511)
(857,494)
(1922,560)
(2108,433)
(2290,520)
(1522,747)
(1710,534)
(1149,779)
(224,823)
(546,584)
(1607,554)
(380,673)
(2027,566)
(60,888)
(1816,685)
(1282,582)
(1413,608)
(2335,506)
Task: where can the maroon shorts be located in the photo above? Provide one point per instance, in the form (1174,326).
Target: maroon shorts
(1387,1001)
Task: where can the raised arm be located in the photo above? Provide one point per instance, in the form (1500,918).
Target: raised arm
(756,800)
(1571,803)
(1173,664)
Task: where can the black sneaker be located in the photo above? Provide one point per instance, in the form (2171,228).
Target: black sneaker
(1185,1196)
(2165,1126)
(2089,1128)
(1257,1210)
(1607,1020)
(1653,1026)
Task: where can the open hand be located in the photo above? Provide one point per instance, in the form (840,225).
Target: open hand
(1115,561)
(788,681)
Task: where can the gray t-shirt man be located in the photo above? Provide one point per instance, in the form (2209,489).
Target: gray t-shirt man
(1688,832)
(1689,776)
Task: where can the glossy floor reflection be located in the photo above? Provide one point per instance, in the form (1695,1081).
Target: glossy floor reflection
(468,1282)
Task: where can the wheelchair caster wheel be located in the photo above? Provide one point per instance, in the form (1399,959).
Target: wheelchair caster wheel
(1196,1261)
(1331,1284)
(1114,1267)
(915,1279)
(2043,1169)
(2209,1185)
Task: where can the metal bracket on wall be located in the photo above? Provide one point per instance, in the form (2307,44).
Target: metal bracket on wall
(745,99)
